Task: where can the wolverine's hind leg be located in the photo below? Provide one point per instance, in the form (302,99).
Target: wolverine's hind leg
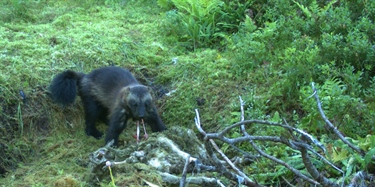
(94,112)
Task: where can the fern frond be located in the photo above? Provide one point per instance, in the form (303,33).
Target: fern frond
(329,5)
(304,9)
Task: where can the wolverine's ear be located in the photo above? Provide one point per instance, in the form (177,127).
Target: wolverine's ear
(149,89)
(124,94)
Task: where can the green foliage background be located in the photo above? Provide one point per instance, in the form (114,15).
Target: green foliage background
(268,52)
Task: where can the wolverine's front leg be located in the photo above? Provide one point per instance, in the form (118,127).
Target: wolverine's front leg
(117,124)
(153,119)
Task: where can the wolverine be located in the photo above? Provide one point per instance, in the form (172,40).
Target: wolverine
(109,94)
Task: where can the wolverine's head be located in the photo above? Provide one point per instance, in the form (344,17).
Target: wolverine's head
(137,101)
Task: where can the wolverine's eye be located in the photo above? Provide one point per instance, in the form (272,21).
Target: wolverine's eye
(147,104)
(132,103)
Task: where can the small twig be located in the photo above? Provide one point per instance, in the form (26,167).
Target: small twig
(244,138)
(239,172)
(220,184)
(199,166)
(309,137)
(184,172)
(242,109)
(287,182)
(198,123)
(225,171)
(246,122)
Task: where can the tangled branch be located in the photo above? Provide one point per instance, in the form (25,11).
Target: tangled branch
(300,141)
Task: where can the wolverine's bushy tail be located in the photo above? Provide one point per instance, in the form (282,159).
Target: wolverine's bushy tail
(63,88)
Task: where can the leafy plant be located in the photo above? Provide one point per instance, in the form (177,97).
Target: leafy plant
(350,161)
(198,20)
(232,14)
(203,23)
(251,46)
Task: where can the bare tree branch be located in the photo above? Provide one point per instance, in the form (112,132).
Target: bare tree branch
(184,172)
(360,179)
(314,172)
(203,181)
(246,137)
(308,147)
(247,180)
(264,154)
(331,126)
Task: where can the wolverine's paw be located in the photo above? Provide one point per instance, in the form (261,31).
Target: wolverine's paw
(94,133)
(145,137)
